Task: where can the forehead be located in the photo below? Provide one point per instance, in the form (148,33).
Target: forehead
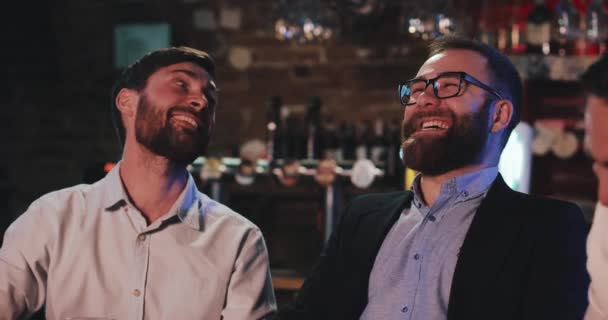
(468,61)
(189,69)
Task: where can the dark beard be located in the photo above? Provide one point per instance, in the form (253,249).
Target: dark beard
(460,146)
(178,145)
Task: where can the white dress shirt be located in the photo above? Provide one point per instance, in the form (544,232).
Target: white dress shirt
(597,265)
(86,251)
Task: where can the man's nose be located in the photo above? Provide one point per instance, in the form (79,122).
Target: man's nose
(427,97)
(197,101)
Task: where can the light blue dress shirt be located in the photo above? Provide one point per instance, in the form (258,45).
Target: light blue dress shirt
(412,274)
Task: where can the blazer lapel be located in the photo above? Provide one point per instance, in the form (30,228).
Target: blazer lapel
(485,248)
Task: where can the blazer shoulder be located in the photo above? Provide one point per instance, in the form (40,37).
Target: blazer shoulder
(547,209)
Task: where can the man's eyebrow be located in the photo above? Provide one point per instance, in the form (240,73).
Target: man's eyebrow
(194,75)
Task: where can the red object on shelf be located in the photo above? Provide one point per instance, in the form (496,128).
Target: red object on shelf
(108,166)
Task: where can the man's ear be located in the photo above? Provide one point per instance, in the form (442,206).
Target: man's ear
(503,112)
(126,102)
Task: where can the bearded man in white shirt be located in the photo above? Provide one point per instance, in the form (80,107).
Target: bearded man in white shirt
(595,82)
(142,242)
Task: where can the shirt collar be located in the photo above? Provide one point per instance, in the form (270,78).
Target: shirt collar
(190,206)
(464,187)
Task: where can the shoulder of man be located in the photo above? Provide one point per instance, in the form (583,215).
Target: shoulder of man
(546,211)
(60,201)
(214,212)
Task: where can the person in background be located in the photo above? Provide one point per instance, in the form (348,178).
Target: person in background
(595,82)
(461,244)
(142,242)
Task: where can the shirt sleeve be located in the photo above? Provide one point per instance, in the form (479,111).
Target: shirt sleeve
(24,261)
(597,265)
(250,294)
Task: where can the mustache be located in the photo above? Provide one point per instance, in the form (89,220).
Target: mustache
(183,109)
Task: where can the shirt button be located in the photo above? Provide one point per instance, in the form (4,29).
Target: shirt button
(432,218)
(404,309)
(141,237)
(136,293)
(465,194)
(416,257)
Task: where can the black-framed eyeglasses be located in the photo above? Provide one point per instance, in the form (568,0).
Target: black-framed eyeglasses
(445,85)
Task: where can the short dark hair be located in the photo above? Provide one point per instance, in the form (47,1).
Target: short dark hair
(595,79)
(503,74)
(136,75)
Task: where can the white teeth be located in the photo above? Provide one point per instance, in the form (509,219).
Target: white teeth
(434,123)
(187,119)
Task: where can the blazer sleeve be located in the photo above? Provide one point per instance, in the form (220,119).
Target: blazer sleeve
(558,279)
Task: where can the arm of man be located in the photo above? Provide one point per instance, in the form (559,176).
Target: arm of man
(24,261)
(558,282)
(250,294)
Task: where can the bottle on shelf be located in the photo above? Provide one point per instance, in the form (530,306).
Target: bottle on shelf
(580,43)
(565,28)
(347,139)
(378,144)
(330,140)
(364,137)
(488,29)
(313,132)
(518,11)
(274,129)
(596,27)
(538,29)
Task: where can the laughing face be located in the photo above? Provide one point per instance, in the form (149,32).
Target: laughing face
(443,140)
(451,133)
(175,113)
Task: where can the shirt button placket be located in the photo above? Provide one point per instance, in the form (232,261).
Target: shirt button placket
(142,244)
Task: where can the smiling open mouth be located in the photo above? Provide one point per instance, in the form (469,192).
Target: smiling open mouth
(434,125)
(186,120)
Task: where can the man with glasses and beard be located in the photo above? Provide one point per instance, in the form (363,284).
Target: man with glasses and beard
(142,242)
(461,244)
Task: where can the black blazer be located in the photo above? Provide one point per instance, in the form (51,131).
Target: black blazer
(523,257)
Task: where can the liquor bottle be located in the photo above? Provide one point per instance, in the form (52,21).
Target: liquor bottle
(538,32)
(313,136)
(488,30)
(347,140)
(519,11)
(378,144)
(330,140)
(580,44)
(364,138)
(565,28)
(597,23)
(274,129)
(393,145)
(296,135)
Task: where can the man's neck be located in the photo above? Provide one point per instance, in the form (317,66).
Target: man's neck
(153,183)
(430,186)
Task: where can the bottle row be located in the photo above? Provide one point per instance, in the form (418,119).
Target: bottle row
(310,135)
(559,27)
